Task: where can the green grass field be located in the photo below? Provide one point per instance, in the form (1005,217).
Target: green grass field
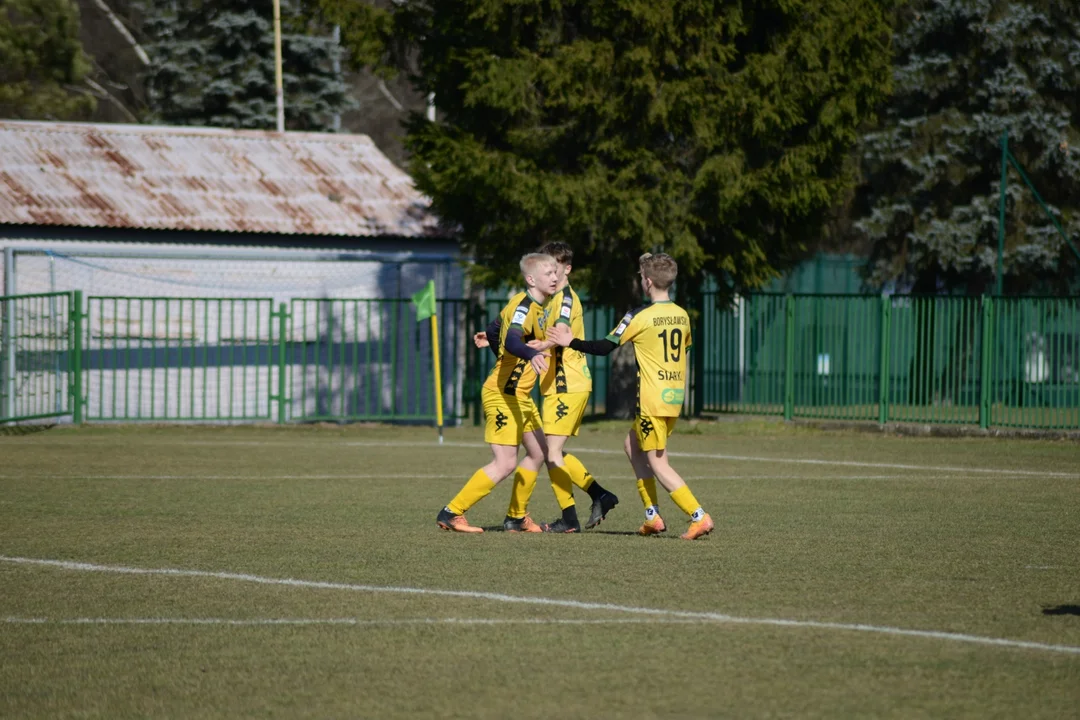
(298,572)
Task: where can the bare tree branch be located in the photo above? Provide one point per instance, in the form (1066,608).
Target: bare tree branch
(103,94)
(390,96)
(120,28)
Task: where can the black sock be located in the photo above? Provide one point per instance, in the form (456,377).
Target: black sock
(569,516)
(595,490)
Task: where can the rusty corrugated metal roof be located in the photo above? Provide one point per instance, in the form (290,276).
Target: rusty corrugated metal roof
(172,178)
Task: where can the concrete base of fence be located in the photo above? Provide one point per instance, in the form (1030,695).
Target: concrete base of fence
(958,431)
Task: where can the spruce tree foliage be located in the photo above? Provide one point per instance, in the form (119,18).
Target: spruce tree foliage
(213,64)
(965,72)
(715,130)
(41,61)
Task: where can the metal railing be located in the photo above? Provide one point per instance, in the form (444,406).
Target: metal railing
(38,353)
(178,359)
(1005,362)
(1010,362)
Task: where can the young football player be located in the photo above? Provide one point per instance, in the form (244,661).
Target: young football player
(660,333)
(511,416)
(566,387)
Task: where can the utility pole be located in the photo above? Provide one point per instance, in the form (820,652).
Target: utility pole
(277,67)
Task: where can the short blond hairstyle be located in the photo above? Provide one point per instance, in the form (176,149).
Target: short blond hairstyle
(531,261)
(661,268)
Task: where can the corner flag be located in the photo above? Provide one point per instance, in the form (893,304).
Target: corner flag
(424,301)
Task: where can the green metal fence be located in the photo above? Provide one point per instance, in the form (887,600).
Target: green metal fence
(1011,362)
(38,346)
(1005,362)
(179,359)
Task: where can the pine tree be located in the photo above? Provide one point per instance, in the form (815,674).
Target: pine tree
(965,72)
(714,130)
(213,64)
(41,60)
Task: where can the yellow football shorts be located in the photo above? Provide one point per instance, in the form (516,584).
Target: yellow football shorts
(653,432)
(563,413)
(509,417)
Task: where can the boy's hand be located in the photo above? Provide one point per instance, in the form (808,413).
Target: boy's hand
(539,364)
(480,340)
(560,335)
(540,345)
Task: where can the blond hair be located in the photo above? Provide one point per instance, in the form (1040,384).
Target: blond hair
(531,261)
(661,268)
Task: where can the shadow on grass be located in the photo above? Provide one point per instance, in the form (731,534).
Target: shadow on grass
(24,429)
(1062,610)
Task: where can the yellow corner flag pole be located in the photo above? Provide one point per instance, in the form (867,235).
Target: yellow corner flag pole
(438,374)
(425,308)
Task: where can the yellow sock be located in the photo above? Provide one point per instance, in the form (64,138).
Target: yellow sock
(475,490)
(561,484)
(686,500)
(578,474)
(646,488)
(524,483)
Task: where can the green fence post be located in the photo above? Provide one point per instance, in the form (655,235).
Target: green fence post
(282,315)
(883,344)
(76,361)
(789,357)
(985,384)
(698,387)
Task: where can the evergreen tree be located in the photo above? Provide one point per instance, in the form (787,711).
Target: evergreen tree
(716,130)
(41,60)
(965,72)
(213,64)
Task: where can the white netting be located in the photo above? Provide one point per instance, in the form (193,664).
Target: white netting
(281,278)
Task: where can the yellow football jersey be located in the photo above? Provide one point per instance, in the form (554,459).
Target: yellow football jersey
(568,371)
(661,336)
(513,375)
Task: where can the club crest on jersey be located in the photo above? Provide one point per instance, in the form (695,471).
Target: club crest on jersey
(519,316)
(565,312)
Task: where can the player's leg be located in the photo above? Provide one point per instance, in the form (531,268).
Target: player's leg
(646,484)
(532,438)
(517,514)
(563,413)
(503,433)
(562,485)
(656,450)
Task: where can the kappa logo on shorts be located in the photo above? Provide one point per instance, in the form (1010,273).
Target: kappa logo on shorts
(562,409)
(646,427)
(500,420)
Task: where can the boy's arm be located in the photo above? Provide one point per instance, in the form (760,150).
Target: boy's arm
(593,347)
(623,333)
(492,333)
(516,346)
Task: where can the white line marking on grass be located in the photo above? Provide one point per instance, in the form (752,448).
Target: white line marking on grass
(550,602)
(748,458)
(346,621)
